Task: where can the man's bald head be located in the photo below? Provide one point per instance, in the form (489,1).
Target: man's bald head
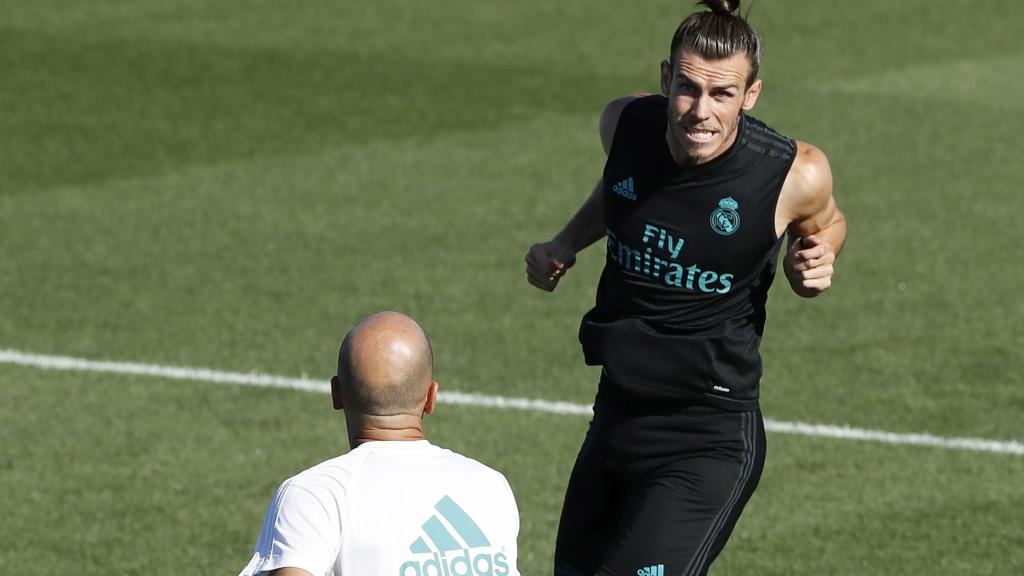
(385,365)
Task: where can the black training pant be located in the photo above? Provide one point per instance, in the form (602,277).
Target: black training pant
(657,486)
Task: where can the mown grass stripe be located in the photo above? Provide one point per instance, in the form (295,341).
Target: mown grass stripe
(67,363)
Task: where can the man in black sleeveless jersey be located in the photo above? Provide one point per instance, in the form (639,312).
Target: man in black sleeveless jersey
(694,202)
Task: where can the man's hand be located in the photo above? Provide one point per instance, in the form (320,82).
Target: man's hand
(547,262)
(808,265)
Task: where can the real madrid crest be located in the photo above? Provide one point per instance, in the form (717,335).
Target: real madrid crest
(725,219)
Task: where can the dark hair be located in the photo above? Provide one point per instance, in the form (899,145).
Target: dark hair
(718,33)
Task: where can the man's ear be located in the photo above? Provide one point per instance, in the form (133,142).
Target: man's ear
(666,77)
(428,407)
(750,98)
(336,393)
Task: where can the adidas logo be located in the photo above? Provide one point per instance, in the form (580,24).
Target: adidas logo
(453,541)
(656,570)
(625,189)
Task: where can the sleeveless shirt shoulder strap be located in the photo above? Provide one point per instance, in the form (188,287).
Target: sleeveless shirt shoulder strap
(639,118)
(763,139)
(647,110)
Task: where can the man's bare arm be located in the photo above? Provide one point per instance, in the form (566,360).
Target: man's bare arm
(814,223)
(547,262)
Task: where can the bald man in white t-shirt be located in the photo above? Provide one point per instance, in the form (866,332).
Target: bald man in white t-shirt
(395,505)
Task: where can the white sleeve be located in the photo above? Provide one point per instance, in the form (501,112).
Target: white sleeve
(300,530)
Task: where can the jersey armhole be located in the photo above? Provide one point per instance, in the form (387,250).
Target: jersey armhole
(620,124)
(775,236)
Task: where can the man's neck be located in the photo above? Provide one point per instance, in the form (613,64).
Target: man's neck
(400,428)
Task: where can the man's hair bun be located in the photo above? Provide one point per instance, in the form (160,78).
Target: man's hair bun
(721,6)
(718,33)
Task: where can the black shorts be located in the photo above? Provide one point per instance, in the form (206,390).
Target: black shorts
(657,486)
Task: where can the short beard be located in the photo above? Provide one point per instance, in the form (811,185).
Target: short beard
(693,157)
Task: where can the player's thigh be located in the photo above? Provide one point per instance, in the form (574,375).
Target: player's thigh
(678,520)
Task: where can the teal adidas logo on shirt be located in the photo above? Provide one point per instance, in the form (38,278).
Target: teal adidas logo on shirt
(625,189)
(454,545)
(655,570)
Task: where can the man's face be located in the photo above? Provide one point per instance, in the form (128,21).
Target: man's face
(705,98)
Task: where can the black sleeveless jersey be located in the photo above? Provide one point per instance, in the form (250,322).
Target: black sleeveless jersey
(691,254)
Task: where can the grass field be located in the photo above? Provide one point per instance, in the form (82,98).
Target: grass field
(233,184)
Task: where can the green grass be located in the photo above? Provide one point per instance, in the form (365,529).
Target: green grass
(232,185)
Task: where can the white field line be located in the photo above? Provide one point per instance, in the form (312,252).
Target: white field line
(46,362)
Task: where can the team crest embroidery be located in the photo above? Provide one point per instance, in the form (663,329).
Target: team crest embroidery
(725,219)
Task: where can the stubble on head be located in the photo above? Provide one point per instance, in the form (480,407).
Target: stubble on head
(385,366)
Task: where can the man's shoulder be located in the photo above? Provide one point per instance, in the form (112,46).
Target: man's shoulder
(810,166)
(332,475)
(808,185)
(640,102)
(342,467)
(637,108)
(471,464)
(471,473)
(648,108)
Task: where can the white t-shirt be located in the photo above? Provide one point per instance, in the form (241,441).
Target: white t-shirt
(403,508)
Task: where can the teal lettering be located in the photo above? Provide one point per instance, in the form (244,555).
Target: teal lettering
(629,258)
(623,252)
(692,271)
(726,280)
(647,260)
(488,569)
(658,263)
(705,281)
(675,276)
(676,248)
(650,232)
(434,563)
(500,564)
(461,565)
(404,570)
